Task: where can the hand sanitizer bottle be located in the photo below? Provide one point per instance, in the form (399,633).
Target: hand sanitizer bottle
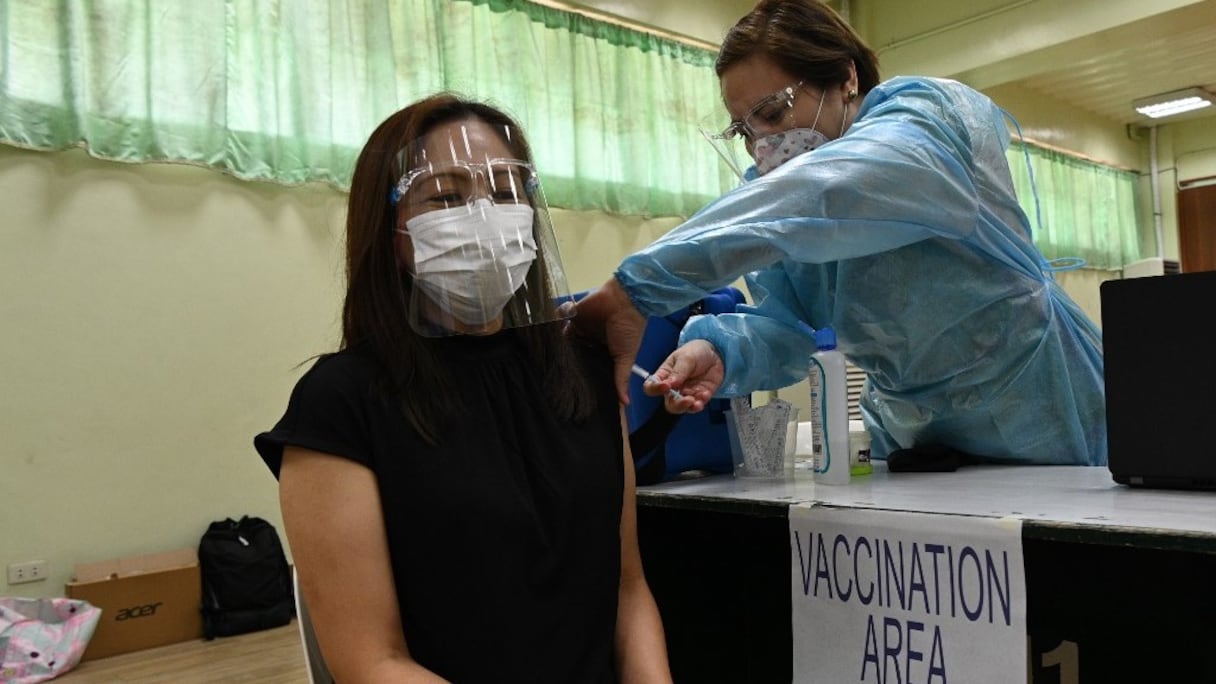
(829,411)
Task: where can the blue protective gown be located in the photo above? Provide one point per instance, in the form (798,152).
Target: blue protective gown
(905,236)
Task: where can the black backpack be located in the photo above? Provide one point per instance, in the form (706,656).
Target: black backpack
(246,580)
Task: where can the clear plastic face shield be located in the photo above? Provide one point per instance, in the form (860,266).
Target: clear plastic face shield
(474,234)
(756,137)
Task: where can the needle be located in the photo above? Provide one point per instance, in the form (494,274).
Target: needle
(645,375)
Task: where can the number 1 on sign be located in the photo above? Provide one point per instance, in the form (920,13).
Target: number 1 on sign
(1064,656)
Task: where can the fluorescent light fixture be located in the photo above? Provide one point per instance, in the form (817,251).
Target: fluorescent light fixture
(1174,102)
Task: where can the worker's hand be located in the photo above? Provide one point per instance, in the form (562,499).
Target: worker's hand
(608,316)
(694,370)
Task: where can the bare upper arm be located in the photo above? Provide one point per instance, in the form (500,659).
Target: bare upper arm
(335,527)
(631,557)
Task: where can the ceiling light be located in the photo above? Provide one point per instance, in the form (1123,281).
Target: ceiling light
(1174,102)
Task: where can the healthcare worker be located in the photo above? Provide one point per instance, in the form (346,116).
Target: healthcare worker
(886,212)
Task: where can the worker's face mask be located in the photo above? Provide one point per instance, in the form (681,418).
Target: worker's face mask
(470,260)
(774,150)
(475,241)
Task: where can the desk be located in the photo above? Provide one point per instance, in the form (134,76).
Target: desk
(1120,582)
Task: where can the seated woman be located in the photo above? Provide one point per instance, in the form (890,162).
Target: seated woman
(455,482)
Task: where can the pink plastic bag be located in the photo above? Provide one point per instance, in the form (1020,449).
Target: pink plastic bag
(41,638)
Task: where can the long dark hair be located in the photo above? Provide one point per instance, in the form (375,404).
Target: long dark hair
(375,315)
(806,38)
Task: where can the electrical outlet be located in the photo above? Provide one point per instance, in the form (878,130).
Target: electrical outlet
(29,571)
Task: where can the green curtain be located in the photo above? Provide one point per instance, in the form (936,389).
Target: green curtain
(1084,210)
(288,90)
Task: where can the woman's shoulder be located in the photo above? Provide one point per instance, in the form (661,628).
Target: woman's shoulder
(347,369)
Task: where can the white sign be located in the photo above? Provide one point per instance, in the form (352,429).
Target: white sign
(891,597)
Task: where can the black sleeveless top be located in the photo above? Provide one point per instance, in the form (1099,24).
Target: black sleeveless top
(505,538)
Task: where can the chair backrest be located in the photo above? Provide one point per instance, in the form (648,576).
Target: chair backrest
(318,673)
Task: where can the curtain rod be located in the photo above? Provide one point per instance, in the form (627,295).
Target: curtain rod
(1071,153)
(607,18)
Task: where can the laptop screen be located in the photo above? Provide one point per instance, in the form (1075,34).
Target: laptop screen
(1160,370)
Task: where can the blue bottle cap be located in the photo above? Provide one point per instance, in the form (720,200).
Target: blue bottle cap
(825,338)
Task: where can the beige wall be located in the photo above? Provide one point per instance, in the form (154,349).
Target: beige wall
(701,19)
(1191,149)
(592,243)
(154,316)
(1050,121)
(1186,151)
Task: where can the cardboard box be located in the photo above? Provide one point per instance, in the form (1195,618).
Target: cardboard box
(145,601)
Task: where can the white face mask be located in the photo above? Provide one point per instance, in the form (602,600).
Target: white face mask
(470,260)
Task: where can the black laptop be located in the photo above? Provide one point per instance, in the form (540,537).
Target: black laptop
(1160,359)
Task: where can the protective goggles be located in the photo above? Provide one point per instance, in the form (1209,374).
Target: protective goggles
(773,114)
(481,252)
(770,115)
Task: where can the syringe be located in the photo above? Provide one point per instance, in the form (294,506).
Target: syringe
(646,375)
